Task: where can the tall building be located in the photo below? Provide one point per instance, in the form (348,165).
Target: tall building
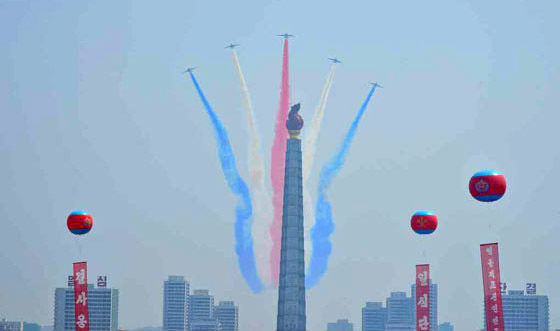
(291,291)
(103,305)
(399,312)
(340,325)
(433,305)
(201,311)
(525,312)
(374,316)
(176,304)
(227,315)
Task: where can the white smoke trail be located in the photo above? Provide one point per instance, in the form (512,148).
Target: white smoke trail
(309,148)
(310,139)
(262,203)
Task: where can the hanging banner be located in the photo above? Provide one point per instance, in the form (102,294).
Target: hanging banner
(492,290)
(81,296)
(423,297)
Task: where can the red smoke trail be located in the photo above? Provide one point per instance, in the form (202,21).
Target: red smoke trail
(277,164)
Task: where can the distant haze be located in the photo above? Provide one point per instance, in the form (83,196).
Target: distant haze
(96,115)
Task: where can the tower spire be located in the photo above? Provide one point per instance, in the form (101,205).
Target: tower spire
(291,290)
(294,122)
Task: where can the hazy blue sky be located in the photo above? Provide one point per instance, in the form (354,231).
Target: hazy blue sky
(95,115)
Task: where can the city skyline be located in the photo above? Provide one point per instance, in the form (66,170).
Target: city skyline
(523,310)
(97,116)
(529,292)
(182,310)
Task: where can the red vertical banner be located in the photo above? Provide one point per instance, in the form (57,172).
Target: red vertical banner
(492,292)
(422,302)
(81,296)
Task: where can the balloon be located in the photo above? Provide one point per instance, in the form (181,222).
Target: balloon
(423,222)
(487,185)
(79,222)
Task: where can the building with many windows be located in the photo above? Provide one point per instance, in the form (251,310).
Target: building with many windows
(525,312)
(176,304)
(103,306)
(185,311)
(227,314)
(201,311)
(374,316)
(399,312)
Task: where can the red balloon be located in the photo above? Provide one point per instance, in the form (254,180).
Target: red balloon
(487,185)
(79,222)
(423,222)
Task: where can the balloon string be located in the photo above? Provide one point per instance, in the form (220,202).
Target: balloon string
(492,235)
(79,244)
(420,242)
(490,218)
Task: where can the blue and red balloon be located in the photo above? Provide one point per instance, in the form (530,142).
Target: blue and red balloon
(79,222)
(487,185)
(424,222)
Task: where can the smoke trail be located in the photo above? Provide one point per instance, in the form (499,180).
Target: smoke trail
(310,139)
(277,164)
(261,196)
(324,224)
(243,209)
(309,148)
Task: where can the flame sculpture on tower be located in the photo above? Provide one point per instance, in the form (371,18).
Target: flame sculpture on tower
(291,290)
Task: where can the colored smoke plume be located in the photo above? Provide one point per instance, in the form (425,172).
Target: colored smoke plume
(277,164)
(309,149)
(324,225)
(243,209)
(261,197)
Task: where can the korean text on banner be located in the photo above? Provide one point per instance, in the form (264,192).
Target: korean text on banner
(422,297)
(492,291)
(81,296)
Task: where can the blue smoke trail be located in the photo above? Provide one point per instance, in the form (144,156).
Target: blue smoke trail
(324,225)
(244,209)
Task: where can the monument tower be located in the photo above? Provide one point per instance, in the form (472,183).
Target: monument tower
(291,290)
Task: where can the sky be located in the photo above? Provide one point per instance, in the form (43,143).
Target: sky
(95,115)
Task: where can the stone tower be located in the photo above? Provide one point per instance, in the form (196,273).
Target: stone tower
(291,290)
